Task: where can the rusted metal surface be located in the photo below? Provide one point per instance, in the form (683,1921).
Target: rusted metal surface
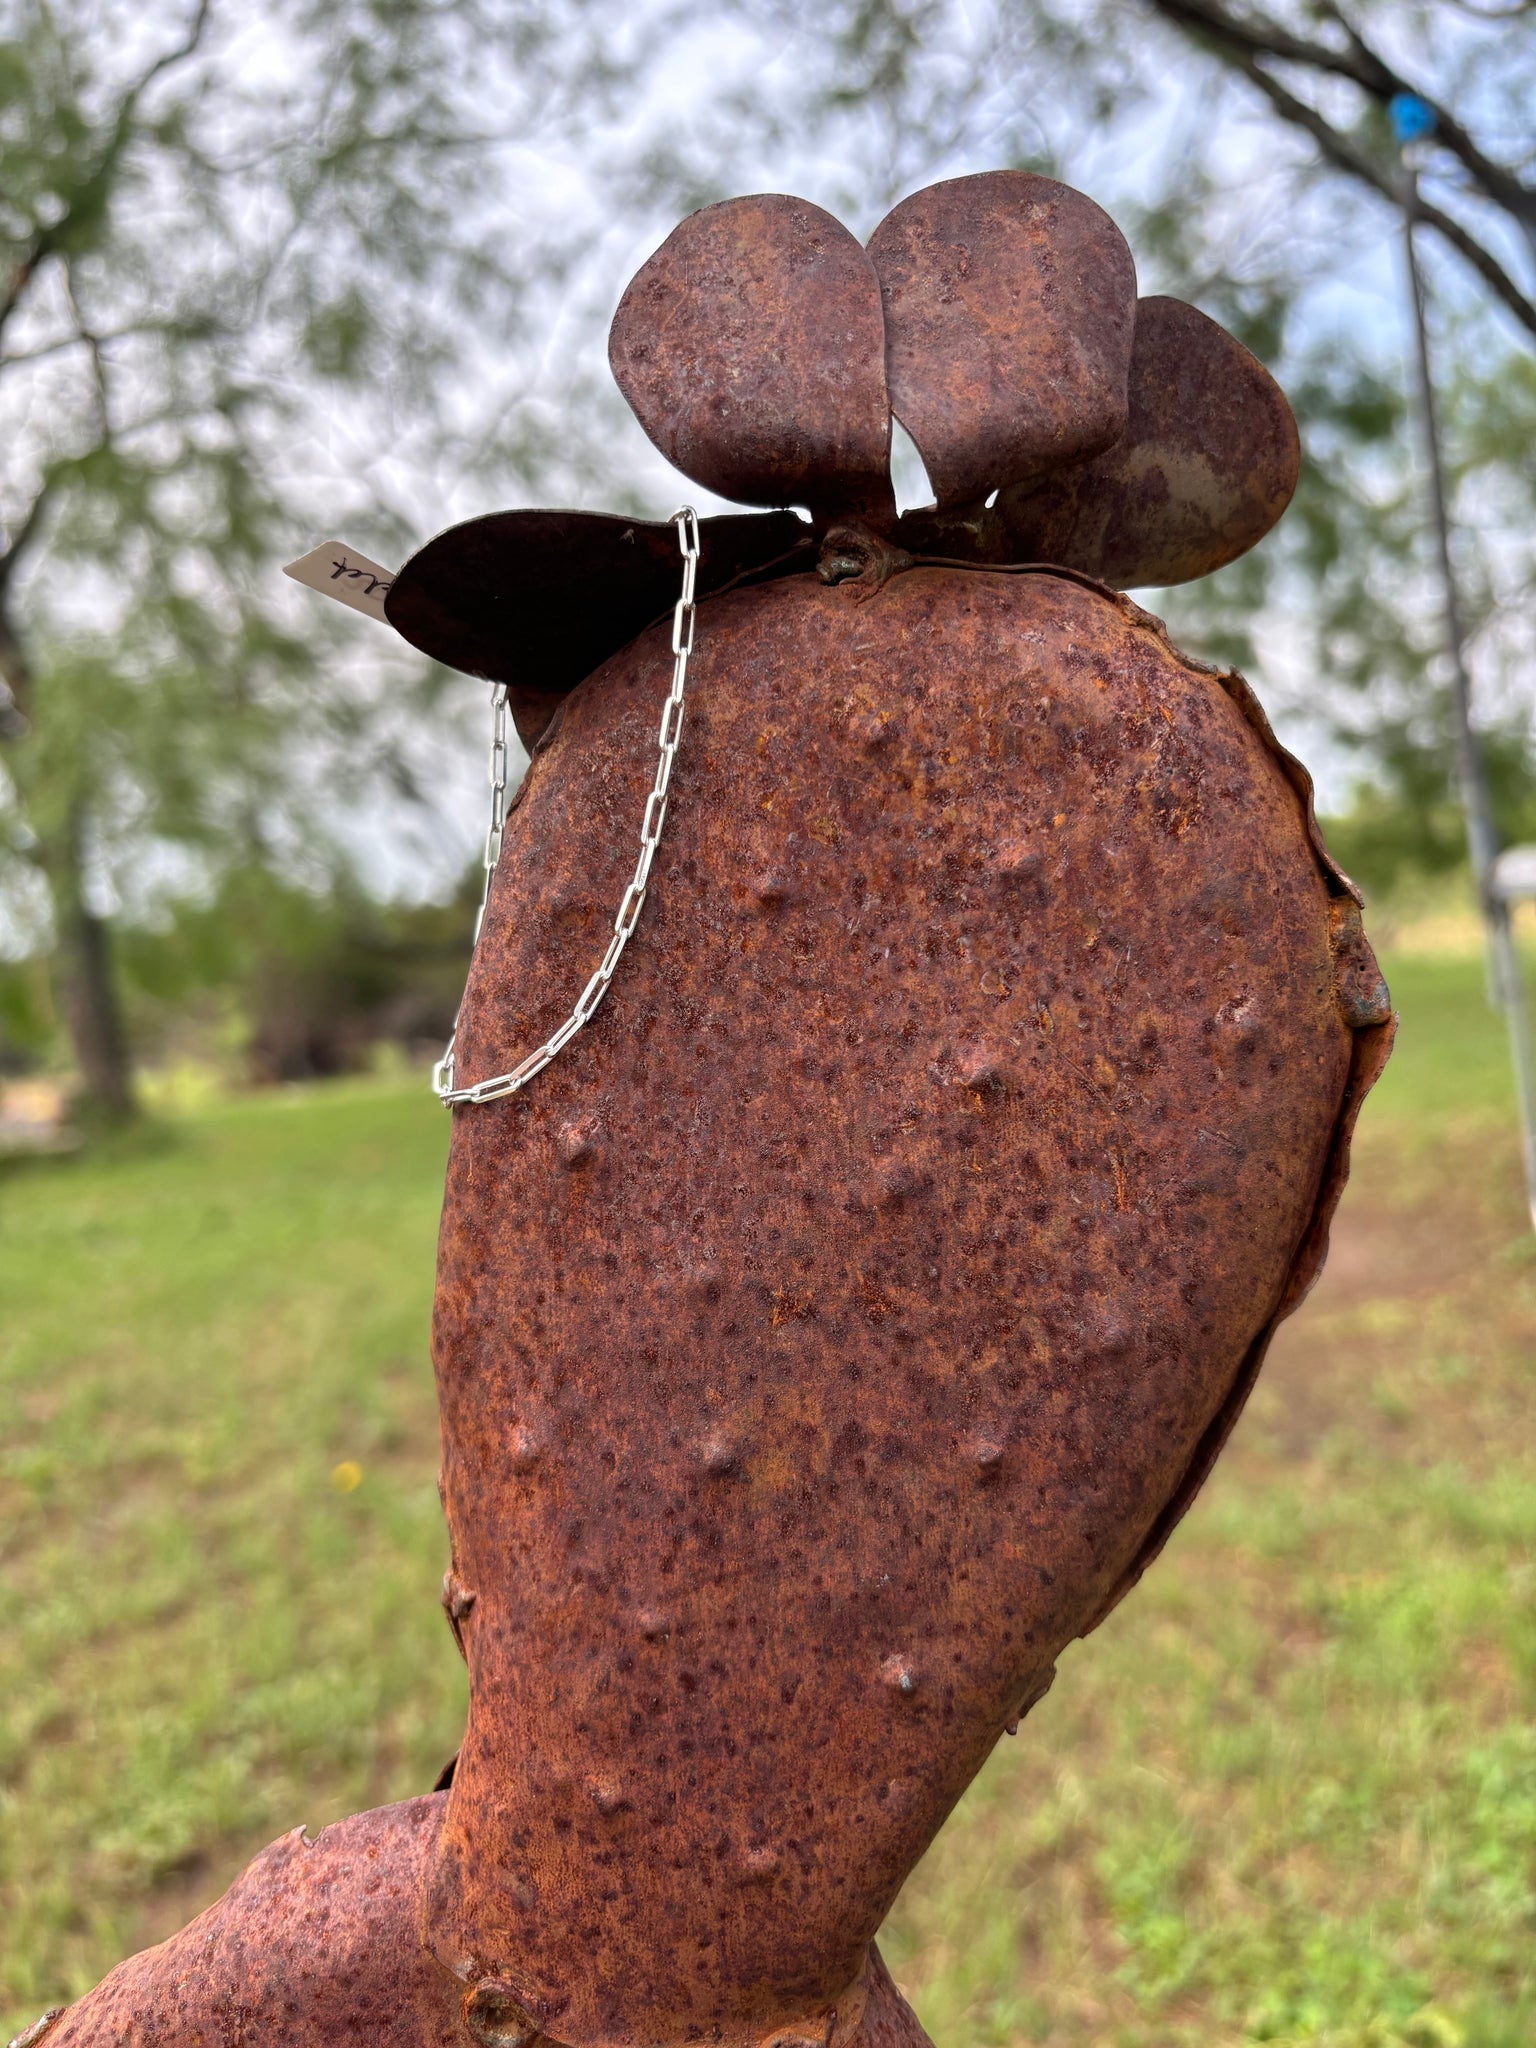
(319,1943)
(315,1943)
(841,1325)
(882,1258)
(537,600)
(1206,465)
(1009,302)
(751,348)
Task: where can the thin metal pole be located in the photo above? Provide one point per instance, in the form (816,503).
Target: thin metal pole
(1505,982)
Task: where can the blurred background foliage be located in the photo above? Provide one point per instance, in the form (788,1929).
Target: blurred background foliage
(268,272)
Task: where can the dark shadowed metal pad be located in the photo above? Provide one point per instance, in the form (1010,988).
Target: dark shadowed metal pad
(537,600)
(752,350)
(1206,465)
(1009,306)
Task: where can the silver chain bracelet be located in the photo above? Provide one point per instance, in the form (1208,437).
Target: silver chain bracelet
(683,614)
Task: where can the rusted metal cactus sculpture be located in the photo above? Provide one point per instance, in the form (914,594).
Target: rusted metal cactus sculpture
(837,1328)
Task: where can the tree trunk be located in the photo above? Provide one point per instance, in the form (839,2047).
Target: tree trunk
(15,669)
(84,981)
(15,680)
(85,988)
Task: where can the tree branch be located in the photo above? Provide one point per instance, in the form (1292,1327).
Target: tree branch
(15,669)
(1488,267)
(1363,67)
(1239,46)
(15,680)
(93,344)
(56,235)
(19,279)
(186,48)
(134,331)
(21,537)
(48,348)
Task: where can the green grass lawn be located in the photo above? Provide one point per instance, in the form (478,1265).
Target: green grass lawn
(1286,1794)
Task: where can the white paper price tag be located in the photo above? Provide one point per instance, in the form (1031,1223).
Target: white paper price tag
(338,571)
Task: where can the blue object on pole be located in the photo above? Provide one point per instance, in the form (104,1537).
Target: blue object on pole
(1412,118)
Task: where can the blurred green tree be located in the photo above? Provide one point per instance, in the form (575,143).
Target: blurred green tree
(296,982)
(225,230)
(243,247)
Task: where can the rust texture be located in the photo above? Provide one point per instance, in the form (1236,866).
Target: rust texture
(1206,465)
(319,1942)
(841,1324)
(752,350)
(1009,304)
(884,1257)
(315,1942)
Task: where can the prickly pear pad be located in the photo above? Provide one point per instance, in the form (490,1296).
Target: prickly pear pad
(825,1341)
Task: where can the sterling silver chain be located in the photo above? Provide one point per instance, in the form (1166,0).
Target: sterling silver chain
(683,616)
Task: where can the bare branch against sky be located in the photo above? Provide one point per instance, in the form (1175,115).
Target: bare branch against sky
(1255,43)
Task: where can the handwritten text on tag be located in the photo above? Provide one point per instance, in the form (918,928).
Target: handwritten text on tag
(338,571)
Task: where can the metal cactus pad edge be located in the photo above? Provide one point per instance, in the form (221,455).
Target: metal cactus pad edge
(836,1328)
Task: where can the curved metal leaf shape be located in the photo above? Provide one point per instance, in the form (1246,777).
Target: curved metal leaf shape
(537,600)
(1009,308)
(1206,465)
(752,351)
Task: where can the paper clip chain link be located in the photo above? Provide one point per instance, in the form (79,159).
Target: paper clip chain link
(492,1089)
